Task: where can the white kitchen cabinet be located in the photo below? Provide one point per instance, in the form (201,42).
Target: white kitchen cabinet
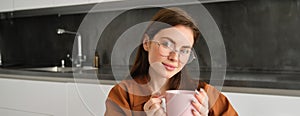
(58,3)
(42,98)
(264,105)
(6,5)
(87,99)
(102,1)
(15,5)
(32,98)
(32,4)
(78,2)
(14,112)
(36,4)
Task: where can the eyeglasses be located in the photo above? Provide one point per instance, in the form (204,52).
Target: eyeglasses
(166,47)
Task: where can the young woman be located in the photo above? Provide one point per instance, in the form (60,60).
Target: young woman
(159,66)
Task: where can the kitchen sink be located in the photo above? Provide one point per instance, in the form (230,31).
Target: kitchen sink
(62,69)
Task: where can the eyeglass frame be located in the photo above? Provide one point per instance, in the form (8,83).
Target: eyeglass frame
(175,51)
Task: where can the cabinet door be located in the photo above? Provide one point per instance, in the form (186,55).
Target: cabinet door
(32,98)
(15,112)
(87,99)
(101,1)
(6,5)
(32,4)
(58,3)
(247,104)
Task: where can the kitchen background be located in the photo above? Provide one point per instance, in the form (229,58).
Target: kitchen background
(261,39)
(259,35)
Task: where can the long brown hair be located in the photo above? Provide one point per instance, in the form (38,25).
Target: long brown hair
(171,17)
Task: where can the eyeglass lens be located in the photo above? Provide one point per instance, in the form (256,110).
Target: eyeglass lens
(166,47)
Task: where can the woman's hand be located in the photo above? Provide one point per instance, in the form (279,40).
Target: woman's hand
(202,105)
(153,107)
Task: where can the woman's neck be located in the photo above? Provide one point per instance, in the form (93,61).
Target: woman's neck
(157,82)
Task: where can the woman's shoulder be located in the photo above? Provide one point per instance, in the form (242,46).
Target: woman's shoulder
(132,81)
(135,86)
(210,89)
(219,103)
(206,86)
(202,84)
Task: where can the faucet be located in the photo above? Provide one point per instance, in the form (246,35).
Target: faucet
(80,57)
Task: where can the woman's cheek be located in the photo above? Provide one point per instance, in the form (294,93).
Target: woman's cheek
(159,68)
(155,57)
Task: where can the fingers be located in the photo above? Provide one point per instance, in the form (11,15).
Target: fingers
(202,105)
(200,109)
(196,113)
(159,112)
(202,97)
(153,107)
(152,104)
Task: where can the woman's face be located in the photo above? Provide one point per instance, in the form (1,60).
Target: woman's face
(168,50)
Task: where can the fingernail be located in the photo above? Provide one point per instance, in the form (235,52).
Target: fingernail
(194,112)
(194,101)
(201,90)
(197,92)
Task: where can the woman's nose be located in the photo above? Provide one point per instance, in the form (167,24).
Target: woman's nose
(174,56)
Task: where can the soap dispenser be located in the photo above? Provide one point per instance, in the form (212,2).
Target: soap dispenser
(96,60)
(0,59)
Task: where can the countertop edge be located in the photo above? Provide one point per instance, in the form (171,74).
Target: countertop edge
(57,79)
(264,91)
(246,90)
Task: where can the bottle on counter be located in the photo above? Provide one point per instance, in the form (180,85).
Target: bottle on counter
(63,63)
(0,59)
(96,60)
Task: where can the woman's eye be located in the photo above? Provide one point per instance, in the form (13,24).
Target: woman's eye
(185,51)
(167,44)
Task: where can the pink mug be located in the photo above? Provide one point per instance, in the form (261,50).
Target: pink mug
(179,102)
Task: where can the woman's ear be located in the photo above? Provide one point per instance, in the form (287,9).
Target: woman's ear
(146,42)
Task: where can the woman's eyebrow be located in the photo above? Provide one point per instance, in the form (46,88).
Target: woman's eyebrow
(186,46)
(168,38)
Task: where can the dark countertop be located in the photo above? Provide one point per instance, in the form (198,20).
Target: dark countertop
(283,80)
(82,77)
(253,82)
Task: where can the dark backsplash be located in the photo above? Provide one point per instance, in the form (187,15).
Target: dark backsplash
(33,41)
(258,35)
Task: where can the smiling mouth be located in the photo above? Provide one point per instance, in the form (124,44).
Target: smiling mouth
(169,67)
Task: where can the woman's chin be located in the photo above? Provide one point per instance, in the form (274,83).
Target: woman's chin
(168,76)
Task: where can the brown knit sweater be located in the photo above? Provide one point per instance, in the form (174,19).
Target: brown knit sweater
(129,96)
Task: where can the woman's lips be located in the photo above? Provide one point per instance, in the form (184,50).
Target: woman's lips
(169,67)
